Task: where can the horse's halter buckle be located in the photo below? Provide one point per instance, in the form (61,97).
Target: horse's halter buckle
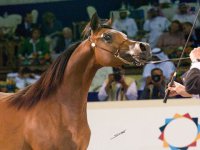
(93,45)
(116,53)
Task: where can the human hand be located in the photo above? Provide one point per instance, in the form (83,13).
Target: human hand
(195,54)
(123,83)
(149,81)
(122,79)
(110,78)
(109,82)
(177,89)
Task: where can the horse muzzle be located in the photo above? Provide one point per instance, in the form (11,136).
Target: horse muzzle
(145,54)
(138,53)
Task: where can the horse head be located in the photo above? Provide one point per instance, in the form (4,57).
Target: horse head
(112,47)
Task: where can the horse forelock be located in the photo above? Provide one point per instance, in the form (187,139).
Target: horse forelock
(46,85)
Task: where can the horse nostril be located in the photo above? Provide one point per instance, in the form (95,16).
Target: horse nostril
(142,47)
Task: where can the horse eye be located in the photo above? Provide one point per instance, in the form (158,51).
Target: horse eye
(107,37)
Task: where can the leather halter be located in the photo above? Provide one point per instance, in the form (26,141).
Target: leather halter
(116,53)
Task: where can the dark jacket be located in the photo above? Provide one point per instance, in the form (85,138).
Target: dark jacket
(192,81)
(155,93)
(23,31)
(27,47)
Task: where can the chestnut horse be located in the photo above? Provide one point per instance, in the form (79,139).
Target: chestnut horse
(51,114)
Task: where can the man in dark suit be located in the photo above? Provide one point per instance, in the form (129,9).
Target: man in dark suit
(64,40)
(192,79)
(26,27)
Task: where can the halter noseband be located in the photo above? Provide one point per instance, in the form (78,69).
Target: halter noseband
(116,53)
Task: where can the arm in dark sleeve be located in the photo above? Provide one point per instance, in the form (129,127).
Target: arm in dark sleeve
(145,94)
(192,81)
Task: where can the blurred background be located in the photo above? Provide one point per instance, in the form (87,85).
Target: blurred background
(34,32)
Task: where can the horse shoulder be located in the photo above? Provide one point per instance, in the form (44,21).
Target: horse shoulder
(43,128)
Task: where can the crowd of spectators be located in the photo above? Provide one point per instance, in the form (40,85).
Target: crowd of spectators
(33,46)
(35,43)
(166,38)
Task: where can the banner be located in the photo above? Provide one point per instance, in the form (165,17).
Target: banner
(145,125)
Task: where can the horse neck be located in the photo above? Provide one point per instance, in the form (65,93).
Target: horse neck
(78,76)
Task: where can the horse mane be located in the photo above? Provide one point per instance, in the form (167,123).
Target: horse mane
(46,85)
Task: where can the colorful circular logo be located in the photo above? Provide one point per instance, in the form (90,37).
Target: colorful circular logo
(180,132)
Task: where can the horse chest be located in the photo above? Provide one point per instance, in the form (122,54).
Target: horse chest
(58,134)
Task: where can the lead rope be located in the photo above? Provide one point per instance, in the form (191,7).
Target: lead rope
(179,62)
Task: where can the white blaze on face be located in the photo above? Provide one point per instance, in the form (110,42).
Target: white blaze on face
(134,50)
(181,132)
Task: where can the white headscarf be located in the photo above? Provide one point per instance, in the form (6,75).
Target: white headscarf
(161,55)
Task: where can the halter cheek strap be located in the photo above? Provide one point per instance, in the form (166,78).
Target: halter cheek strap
(122,59)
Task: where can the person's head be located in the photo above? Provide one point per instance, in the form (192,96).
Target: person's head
(67,33)
(195,54)
(187,27)
(123,13)
(49,17)
(152,13)
(183,8)
(118,73)
(35,34)
(156,74)
(29,18)
(175,26)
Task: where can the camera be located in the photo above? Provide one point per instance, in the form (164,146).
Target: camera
(117,77)
(156,78)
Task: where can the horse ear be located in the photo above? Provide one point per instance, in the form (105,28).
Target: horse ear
(110,21)
(94,23)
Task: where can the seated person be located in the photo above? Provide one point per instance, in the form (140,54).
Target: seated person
(183,14)
(155,85)
(194,40)
(170,41)
(125,24)
(34,49)
(23,77)
(64,40)
(25,28)
(155,25)
(51,29)
(167,67)
(51,25)
(117,88)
